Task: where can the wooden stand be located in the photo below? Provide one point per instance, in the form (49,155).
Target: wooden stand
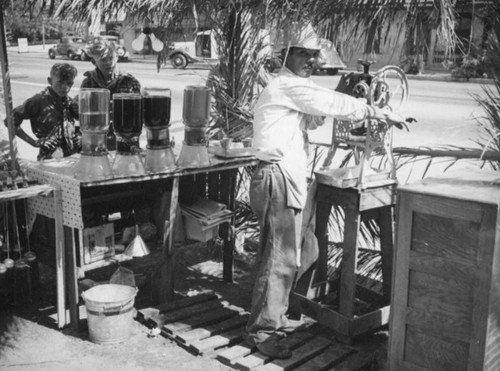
(358,205)
(216,182)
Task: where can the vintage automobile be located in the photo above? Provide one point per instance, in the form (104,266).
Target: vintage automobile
(329,55)
(69,46)
(331,58)
(123,54)
(202,49)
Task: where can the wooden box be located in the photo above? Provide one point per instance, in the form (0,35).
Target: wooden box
(445,311)
(194,230)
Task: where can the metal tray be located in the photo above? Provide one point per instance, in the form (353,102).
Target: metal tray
(233,152)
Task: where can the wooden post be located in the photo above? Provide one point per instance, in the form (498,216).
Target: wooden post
(349,260)
(60,260)
(71,280)
(386,250)
(227,189)
(7,93)
(167,266)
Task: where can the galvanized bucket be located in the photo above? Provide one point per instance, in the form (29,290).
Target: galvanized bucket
(109,312)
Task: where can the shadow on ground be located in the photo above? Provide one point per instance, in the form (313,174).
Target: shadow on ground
(30,340)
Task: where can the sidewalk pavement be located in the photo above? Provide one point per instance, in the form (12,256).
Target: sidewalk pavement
(151,59)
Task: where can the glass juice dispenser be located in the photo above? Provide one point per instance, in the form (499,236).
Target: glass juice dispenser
(196,116)
(156,113)
(127,125)
(94,122)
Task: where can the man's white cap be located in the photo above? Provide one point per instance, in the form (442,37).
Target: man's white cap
(302,36)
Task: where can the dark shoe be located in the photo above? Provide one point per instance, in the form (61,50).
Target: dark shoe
(275,347)
(249,340)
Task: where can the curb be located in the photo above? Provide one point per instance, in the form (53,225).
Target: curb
(138,59)
(38,49)
(445,77)
(449,78)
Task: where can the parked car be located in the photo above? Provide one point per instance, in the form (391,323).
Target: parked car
(202,49)
(331,58)
(329,55)
(123,54)
(69,46)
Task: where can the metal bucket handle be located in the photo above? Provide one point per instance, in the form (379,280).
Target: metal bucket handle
(116,309)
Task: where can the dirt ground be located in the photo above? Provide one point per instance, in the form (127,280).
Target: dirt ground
(30,340)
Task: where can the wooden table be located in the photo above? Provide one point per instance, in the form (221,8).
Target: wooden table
(217,182)
(51,196)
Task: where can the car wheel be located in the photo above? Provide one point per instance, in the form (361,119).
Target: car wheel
(52,55)
(179,61)
(71,55)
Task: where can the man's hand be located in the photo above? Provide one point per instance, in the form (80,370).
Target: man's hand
(392,118)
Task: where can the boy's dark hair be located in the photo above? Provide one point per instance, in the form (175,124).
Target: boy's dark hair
(64,71)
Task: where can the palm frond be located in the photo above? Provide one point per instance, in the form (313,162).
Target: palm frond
(234,81)
(490,101)
(349,22)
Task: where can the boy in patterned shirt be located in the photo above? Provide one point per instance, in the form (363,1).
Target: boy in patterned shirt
(52,114)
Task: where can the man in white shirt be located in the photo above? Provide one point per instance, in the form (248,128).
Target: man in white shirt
(289,105)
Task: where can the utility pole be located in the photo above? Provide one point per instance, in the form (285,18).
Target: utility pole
(7,93)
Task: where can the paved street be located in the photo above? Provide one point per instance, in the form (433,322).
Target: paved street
(445,110)
(29,73)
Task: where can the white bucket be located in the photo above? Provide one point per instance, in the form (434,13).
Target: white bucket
(109,312)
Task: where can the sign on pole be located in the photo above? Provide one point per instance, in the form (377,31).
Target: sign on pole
(22,45)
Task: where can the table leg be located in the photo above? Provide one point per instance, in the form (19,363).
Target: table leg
(228,187)
(323,211)
(71,277)
(60,257)
(167,266)
(349,260)
(386,250)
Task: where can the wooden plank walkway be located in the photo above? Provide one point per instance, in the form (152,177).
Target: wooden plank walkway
(207,326)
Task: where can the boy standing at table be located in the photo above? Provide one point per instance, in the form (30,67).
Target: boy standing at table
(106,75)
(52,114)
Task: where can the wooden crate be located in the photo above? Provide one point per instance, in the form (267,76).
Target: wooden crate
(446,300)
